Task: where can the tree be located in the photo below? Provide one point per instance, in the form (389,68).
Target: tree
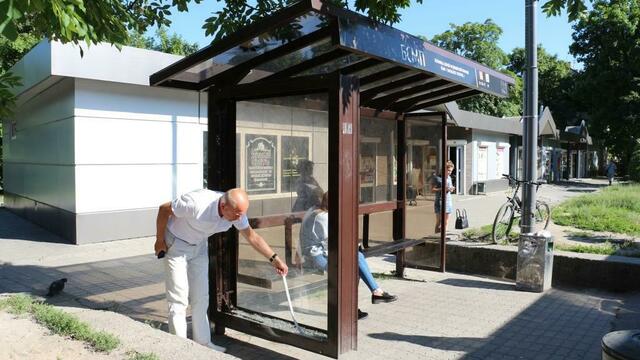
(479,42)
(171,44)
(607,42)
(556,83)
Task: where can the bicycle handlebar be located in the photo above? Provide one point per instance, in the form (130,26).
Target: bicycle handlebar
(511,178)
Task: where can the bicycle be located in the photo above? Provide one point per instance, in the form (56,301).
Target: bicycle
(503,225)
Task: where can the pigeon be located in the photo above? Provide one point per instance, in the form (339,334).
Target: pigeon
(56,287)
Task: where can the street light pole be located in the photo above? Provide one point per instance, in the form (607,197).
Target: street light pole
(530,118)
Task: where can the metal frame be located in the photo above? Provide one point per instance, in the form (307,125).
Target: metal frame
(454,76)
(428,81)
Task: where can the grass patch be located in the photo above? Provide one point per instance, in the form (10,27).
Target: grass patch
(384,276)
(478,233)
(580,234)
(615,209)
(626,248)
(134,355)
(59,322)
(603,249)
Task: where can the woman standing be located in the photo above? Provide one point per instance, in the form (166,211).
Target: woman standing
(436,187)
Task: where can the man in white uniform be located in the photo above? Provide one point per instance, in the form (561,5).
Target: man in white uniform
(183,227)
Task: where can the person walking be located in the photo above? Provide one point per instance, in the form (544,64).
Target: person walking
(182,229)
(611,171)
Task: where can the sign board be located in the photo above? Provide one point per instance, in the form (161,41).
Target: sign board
(295,149)
(260,163)
(397,46)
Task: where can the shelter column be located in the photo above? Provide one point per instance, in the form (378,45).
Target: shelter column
(223,248)
(344,113)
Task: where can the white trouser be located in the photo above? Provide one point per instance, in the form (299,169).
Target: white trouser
(187,282)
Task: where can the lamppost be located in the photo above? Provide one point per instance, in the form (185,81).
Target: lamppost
(530,118)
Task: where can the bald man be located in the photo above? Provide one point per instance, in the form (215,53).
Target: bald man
(182,229)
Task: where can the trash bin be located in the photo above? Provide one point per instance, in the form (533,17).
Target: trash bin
(621,345)
(535,261)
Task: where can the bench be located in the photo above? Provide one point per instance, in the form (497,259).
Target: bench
(289,220)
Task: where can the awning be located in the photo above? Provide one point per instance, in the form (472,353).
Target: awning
(397,71)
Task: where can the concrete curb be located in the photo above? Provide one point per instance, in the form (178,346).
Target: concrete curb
(613,273)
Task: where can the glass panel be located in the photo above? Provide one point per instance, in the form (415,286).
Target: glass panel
(260,44)
(333,65)
(288,60)
(378,68)
(372,70)
(423,173)
(402,88)
(284,168)
(377,171)
(377,156)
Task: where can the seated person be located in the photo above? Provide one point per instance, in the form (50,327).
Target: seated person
(314,234)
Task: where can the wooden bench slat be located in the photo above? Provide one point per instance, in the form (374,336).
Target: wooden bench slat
(391,247)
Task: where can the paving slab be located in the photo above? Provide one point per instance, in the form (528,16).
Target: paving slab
(437,316)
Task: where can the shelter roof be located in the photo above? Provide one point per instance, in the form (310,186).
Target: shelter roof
(397,71)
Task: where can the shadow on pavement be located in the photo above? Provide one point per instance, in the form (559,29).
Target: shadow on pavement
(131,286)
(14,227)
(436,342)
(478,284)
(559,325)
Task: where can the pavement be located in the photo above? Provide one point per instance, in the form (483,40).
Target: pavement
(437,316)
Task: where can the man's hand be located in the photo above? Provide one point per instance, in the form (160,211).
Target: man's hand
(160,245)
(281,267)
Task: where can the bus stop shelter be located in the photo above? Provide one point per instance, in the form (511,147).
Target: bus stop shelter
(319,98)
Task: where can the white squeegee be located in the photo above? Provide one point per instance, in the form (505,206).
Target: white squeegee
(293,316)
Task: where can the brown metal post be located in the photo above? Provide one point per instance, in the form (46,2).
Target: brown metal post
(288,241)
(365,231)
(223,248)
(399,214)
(443,197)
(344,113)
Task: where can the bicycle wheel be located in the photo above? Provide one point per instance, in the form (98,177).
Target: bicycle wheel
(542,214)
(502,223)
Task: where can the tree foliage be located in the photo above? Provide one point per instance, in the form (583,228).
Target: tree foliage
(162,41)
(607,42)
(479,42)
(556,84)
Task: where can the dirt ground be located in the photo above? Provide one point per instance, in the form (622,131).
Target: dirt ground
(22,338)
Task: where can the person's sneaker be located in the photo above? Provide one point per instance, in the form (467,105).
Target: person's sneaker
(215,347)
(362,314)
(385,297)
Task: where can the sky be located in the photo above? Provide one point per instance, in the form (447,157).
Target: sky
(428,19)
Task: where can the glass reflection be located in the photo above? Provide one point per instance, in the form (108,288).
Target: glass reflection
(258,45)
(284,168)
(377,160)
(423,164)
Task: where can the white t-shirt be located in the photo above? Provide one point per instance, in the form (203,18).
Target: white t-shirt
(196,216)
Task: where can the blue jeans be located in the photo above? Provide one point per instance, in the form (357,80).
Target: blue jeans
(320,261)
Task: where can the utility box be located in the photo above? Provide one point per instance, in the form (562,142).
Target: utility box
(535,262)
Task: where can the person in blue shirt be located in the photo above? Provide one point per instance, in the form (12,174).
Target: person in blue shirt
(611,171)
(314,237)
(436,187)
